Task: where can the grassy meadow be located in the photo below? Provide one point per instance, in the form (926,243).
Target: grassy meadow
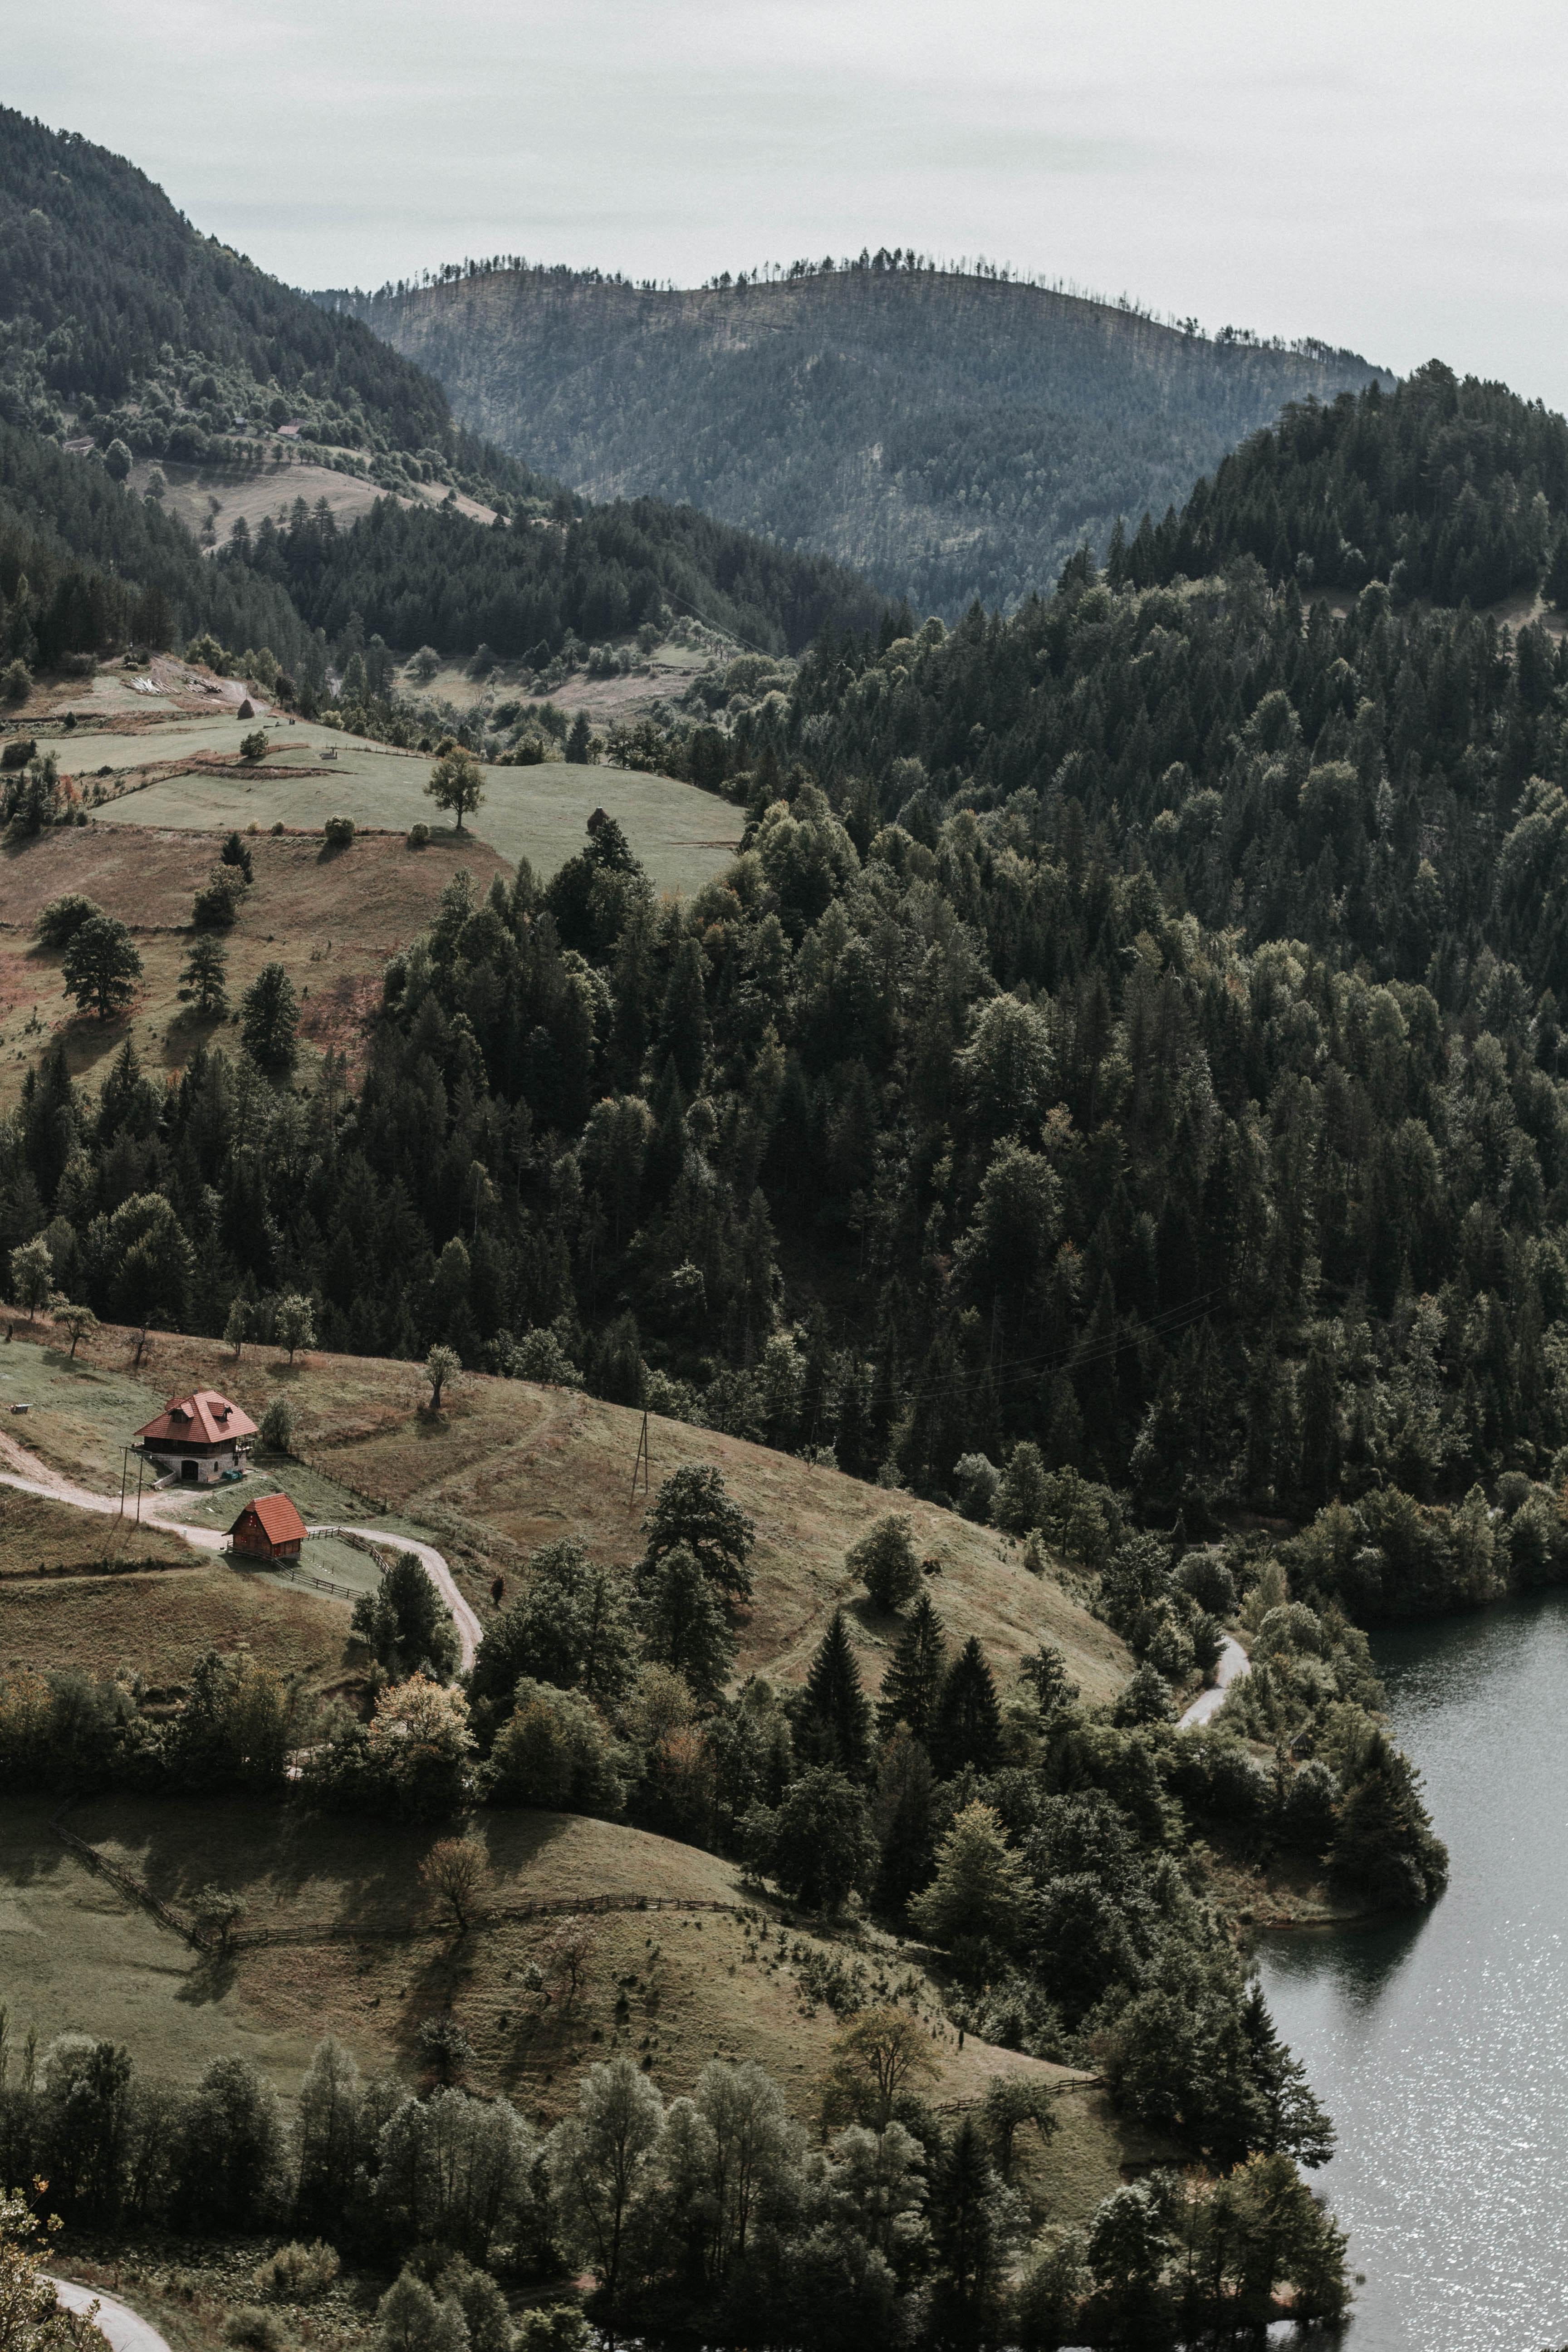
(510,1464)
(673,1987)
(683,837)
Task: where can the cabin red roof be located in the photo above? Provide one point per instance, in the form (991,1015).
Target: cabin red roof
(203,1419)
(280,1520)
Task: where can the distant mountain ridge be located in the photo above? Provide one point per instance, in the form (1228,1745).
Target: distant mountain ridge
(951,435)
(127,333)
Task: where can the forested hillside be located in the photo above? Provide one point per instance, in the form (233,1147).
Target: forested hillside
(115,312)
(951,435)
(1131,1032)
(1451,491)
(128,335)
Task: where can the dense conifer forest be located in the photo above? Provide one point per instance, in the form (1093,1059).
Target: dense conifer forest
(952,432)
(1131,1030)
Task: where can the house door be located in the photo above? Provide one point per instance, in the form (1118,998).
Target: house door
(187,1474)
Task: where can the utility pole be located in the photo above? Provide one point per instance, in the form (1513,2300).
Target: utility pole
(141,1470)
(641,1462)
(124,1472)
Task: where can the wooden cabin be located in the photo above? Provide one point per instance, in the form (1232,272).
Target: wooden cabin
(269,1529)
(198,1439)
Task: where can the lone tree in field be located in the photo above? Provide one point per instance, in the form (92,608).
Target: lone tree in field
(456,1875)
(269,1019)
(692,1508)
(32,1276)
(218,1914)
(278,1426)
(567,1957)
(238,1324)
(1010,2100)
(100,967)
(294,1324)
(884,2053)
(457,783)
(441,1365)
(885,1562)
(204,976)
(79,1321)
(253,747)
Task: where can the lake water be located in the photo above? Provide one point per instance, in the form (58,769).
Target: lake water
(1440,2047)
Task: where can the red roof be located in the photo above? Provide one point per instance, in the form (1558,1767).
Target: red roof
(203,1419)
(280,1521)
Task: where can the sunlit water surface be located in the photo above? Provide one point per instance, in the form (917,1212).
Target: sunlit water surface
(1440,2047)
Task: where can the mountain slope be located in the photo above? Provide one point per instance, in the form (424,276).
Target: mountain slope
(950,436)
(1447,489)
(121,324)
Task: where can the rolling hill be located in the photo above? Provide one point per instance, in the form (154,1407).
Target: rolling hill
(951,435)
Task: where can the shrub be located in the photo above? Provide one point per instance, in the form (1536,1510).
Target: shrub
(62,918)
(445,2048)
(17,752)
(255,2329)
(214,905)
(555,1752)
(296,2272)
(554,2327)
(975,1479)
(253,747)
(419,835)
(278,1426)
(340,832)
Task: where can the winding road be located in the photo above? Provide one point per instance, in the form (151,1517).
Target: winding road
(1234,1662)
(125,2329)
(33,1477)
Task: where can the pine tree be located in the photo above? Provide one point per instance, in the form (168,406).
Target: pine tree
(968,1728)
(1294,2124)
(911,1688)
(683,1020)
(833,1725)
(901,1818)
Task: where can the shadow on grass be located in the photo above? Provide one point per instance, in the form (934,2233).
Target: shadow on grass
(212,1979)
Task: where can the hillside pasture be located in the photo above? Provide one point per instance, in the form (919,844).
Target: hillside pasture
(39,1538)
(682,837)
(358,1956)
(510,1464)
(331,918)
(159,1622)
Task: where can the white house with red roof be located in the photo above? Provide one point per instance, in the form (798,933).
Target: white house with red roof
(197,1438)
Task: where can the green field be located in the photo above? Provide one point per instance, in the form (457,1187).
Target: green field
(683,837)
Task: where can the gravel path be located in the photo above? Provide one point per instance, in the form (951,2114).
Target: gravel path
(126,2330)
(1234,1662)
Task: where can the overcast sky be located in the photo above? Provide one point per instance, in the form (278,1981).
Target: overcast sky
(1392,175)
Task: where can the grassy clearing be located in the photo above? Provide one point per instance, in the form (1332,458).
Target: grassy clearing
(674,1988)
(159,1623)
(37,1536)
(76,1956)
(510,1465)
(683,837)
(330,919)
